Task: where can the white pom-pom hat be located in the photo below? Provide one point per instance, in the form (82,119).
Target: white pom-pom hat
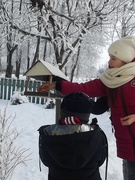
(123,49)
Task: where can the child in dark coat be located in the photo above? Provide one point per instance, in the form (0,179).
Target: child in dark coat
(73,149)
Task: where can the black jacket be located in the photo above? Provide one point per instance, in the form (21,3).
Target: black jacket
(70,156)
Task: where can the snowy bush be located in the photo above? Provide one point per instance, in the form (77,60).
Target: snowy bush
(10,155)
(50,104)
(18,98)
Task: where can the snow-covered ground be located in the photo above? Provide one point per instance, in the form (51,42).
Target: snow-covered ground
(29,117)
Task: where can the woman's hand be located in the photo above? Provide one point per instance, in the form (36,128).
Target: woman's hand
(46,87)
(127,120)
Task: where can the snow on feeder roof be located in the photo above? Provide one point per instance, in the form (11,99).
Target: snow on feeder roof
(41,70)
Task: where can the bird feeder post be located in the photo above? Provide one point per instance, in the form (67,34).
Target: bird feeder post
(57,111)
(45,71)
(50,81)
(57,103)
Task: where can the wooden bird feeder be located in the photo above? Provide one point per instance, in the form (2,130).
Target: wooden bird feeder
(45,72)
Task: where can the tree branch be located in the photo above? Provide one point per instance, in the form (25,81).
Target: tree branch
(29,33)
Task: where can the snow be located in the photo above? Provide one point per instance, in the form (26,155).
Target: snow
(28,118)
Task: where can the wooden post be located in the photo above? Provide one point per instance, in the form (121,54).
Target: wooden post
(50,81)
(5,89)
(27,83)
(9,89)
(57,97)
(57,115)
(57,102)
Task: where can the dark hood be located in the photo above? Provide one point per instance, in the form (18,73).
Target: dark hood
(71,151)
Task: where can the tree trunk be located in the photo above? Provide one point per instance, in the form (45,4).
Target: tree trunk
(45,48)
(38,42)
(18,64)
(0,53)
(28,53)
(37,51)
(75,64)
(9,60)
(9,65)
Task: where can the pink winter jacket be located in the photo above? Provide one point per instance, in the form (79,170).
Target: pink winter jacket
(95,88)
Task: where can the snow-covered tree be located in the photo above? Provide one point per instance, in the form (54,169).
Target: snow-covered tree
(122,20)
(67,24)
(57,31)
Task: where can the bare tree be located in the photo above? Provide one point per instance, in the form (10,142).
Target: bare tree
(10,155)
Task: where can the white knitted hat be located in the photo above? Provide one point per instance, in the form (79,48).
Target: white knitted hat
(123,49)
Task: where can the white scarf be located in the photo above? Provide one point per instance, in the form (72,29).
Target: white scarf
(116,77)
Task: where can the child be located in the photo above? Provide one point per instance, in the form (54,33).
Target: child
(118,84)
(73,149)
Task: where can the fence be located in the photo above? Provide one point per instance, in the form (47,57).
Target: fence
(9,86)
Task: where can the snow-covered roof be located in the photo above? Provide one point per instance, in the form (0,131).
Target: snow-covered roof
(42,69)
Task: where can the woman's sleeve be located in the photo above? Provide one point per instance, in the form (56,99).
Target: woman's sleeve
(94,88)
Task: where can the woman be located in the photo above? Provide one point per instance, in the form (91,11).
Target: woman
(118,84)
